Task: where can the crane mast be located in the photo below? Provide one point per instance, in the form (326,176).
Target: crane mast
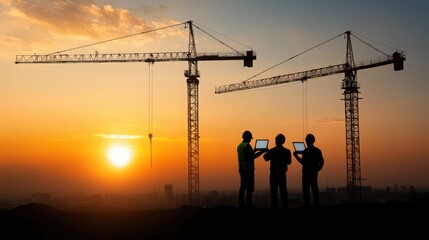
(351,104)
(193,131)
(192,74)
(351,101)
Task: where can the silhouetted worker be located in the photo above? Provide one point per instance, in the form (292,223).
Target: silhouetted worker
(246,168)
(312,162)
(279,157)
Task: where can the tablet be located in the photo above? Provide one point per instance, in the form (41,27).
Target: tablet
(298,146)
(261,144)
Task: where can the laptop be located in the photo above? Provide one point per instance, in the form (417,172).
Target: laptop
(261,144)
(299,146)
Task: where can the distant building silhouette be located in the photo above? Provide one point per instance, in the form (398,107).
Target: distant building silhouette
(328,197)
(42,197)
(168,193)
(395,188)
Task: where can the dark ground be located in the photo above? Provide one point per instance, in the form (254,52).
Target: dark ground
(407,220)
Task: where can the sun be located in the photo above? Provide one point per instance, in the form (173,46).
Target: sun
(119,156)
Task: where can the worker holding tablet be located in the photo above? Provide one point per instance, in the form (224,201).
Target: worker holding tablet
(279,158)
(312,162)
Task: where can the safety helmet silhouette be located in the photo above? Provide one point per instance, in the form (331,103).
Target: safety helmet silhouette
(247,134)
(280,138)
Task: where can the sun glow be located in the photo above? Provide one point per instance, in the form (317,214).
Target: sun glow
(119,156)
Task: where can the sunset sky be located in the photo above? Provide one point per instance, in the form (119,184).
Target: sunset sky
(59,122)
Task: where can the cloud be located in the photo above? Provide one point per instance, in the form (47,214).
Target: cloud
(133,137)
(41,24)
(79,17)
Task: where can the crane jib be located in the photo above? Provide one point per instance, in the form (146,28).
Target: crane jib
(247,57)
(397,59)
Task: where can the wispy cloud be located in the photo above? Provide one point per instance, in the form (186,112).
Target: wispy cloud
(116,136)
(331,120)
(134,137)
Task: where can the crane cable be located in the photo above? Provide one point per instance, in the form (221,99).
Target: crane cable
(293,57)
(118,38)
(304,109)
(221,42)
(150,108)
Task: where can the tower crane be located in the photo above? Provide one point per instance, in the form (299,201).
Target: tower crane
(192,74)
(350,86)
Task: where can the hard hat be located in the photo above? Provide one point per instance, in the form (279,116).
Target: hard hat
(247,134)
(280,137)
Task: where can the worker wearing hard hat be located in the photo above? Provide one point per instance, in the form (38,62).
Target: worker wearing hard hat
(246,168)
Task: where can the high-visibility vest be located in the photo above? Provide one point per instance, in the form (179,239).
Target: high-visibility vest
(243,163)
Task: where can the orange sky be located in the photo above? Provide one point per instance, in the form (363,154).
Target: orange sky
(56,117)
